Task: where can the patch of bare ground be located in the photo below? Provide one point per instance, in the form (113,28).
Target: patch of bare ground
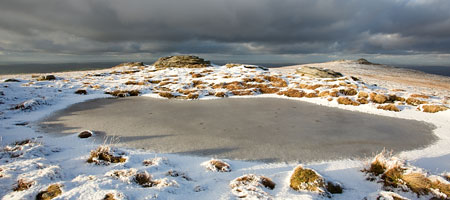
(389,107)
(109,196)
(393,173)
(104,155)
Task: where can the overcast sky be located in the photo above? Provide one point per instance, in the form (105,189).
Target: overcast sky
(258,31)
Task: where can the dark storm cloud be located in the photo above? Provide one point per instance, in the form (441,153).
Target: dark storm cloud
(225,26)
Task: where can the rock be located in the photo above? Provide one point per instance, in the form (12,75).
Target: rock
(181,62)
(85,134)
(363,61)
(11,80)
(51,192)
(316,72)
(46,78)
(81,91)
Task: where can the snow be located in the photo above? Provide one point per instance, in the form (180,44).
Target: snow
(50,159)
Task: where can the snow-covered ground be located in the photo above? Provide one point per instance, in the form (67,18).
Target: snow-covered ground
(46,159)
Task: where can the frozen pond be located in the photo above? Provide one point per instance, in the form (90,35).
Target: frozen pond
(262,129)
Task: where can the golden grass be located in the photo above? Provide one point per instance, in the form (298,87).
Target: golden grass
(168,95)
(193,96)
(306,179)
(389,107)
(419,96)
(348,92)
(362,100)
(292,93)
(196,75)
(242,92)
(362,94)
(414,101)
(311,95)
(433,108)
(268,90)
(347,101)
(220,94)
(103,155)
(378,98)
(276,81)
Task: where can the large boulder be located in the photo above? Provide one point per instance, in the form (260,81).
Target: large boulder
(181,62)
(316,72)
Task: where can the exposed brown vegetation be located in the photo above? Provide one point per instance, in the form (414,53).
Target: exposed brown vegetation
(348,92)
(51,192)
(362,94)
(276,81)
(264,181)
(197,75)
(196,83)
(362,100)
(193,96)
(307,179)
(23,184)
(292,93)
(242,92)
(433,108)
(419,96)
(134,83)
(154,81)
(103,155)
(389,107)
(124,93)
(218,165)
(378,98)
(258,80)
(144,179)
(220,94)
(268,90)
(168,95)
(109,196)
(311,95)
(231,65)
(347,101)
(414,101)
